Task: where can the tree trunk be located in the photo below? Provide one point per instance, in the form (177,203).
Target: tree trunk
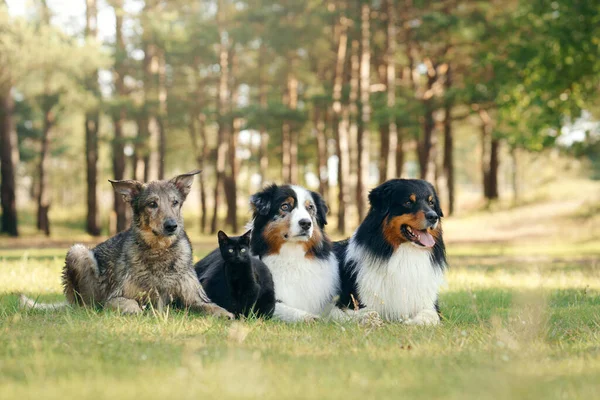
(8,162)
(118,155)
(198,138)
(294,135)
(424,145)
(515,175)
(289,139)
(319,124)
(264,136)
(222,134)
(161,119)
(448,144)
(340,126)
(391,141)
(230,183)
(43,202)
(92,119)
(365,118)
(489,157)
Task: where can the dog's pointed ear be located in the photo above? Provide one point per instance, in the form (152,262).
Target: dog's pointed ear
(246,237)
(184,182)
(380,199)
(261,201)
(223,238)
(129,189)
(322,209)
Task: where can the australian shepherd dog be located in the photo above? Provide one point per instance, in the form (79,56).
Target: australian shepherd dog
(394,263)
(288,236)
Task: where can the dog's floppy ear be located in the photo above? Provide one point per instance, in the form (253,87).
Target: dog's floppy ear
(380,198)
(223,238)
(129,189)
(184,182)
(261,201)
(322,209)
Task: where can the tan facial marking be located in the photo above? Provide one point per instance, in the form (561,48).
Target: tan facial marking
(391,227)
(413,197)
(430,198)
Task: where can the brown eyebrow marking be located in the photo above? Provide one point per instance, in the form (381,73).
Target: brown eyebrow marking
(430,198)
(413,197)
(290,201)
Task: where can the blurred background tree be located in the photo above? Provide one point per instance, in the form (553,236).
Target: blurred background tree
(335,95)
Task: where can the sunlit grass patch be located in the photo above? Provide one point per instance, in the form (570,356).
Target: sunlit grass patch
(513,328)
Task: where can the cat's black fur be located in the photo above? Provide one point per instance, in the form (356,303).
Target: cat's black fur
(235,280)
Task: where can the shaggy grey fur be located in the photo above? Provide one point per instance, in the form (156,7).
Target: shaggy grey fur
(151,263)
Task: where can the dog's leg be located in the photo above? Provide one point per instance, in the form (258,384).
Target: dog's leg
(80,276)
(361,316)
(123,305)
(286,313)
(424,317)
(193,296)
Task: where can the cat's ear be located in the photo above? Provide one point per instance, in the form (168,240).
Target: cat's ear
(246,237)
(223,238)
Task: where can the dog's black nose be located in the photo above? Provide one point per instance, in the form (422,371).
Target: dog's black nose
(305,224)
(431,216)
(170,225)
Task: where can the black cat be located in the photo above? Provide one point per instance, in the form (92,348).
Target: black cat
(235,280)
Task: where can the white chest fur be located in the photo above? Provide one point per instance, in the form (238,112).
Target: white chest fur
(307,284)
(400,287)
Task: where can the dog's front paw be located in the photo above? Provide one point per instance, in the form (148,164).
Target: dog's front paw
(425,317)
(369,318)
(218,311)
(310,318)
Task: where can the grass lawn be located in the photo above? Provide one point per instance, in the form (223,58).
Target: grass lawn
(515,329)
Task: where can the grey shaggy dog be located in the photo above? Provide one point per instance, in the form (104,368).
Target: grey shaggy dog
(151,263)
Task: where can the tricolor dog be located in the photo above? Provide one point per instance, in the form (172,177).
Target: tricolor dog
(394,263)
(288,236)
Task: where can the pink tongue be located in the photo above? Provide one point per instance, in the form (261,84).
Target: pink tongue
(426,239)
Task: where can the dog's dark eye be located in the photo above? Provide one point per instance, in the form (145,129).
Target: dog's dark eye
(310,207)
(285,207)
(408,204)
(175,202)
(431,203)
(153,204)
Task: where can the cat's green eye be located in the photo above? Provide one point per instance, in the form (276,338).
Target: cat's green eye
(243,250)
(231,250)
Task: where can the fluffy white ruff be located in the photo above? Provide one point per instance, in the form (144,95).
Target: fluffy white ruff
(401,288)
(304,286)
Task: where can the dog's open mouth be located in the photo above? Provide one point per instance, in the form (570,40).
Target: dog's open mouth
(422,238)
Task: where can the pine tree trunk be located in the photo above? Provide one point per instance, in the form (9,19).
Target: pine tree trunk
(230,183)
(424,145)
(340,127)
(118,155)
(222,133)
(319,124)
(161,119)
(365,118)
(391,167)
(204,154)
(384,149)
(294,135)
(264,136)
(448,144)
(92,119)
(489,157)
(43,202)
(515,175)
(8,162)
